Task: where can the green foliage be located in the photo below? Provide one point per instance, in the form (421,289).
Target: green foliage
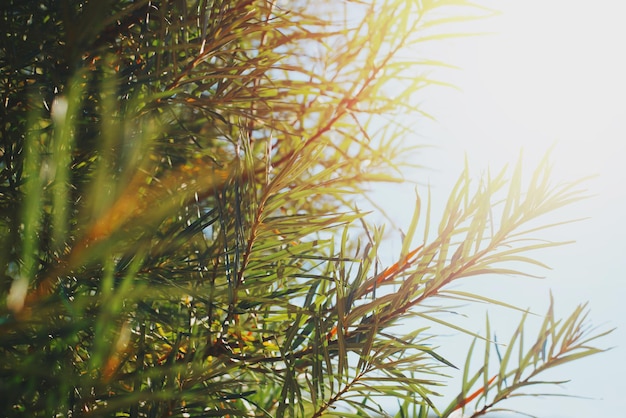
(178,233)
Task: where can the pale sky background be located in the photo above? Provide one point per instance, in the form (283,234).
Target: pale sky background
(554,71)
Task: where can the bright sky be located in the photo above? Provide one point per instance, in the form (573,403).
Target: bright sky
(555,71)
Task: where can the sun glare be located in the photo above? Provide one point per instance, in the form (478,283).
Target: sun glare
(551,74)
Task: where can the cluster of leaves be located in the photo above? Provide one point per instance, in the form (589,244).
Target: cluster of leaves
(178,232)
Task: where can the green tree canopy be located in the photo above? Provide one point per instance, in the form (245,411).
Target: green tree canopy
(178,230)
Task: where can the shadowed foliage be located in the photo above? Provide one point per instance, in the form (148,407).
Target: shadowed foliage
(178,228)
